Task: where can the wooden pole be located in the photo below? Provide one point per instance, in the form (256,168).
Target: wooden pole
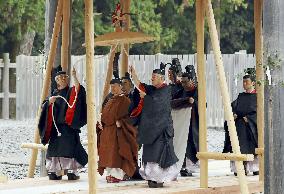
(258,5)
(3,179)
(273,23)
(46,83)
(65,36)
(201,92)
(125,47)
(5,102)
(225,156)
(91,111)
(109,72)
(225,95)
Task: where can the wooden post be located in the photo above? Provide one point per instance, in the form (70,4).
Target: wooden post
(258,4)
(3,179)
(109,72)
(65,35)
(91,112)
(273,23)
(5,102)
(125,47)
(201,91)
(46,83)
(225,95)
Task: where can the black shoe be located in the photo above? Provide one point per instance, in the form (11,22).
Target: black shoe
(185,173)
(256,173)
(160,185)
(72,176)
(154,184)
(53,176)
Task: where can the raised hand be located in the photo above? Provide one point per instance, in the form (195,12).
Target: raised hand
(191,100)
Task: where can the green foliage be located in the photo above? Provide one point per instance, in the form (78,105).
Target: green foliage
(172,22)
(237,32)
(273,61)
(17,18)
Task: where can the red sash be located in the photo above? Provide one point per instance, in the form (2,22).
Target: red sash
(70,111)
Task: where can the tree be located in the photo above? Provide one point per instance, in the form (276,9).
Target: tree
(19,26)
(273,23)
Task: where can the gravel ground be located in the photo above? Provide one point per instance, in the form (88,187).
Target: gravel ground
(14,160)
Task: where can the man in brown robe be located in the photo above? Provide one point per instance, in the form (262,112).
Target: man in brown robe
(117,145)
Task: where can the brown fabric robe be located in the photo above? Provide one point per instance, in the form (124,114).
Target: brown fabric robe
(117,147)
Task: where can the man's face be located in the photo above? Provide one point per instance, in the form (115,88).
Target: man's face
(126,86)
(61,81)
(187,83)
(156,79)
(170,75)
(248,84)
(115,89)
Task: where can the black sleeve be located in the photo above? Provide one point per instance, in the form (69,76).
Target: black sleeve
(42,124)
(149,88)
(180,103)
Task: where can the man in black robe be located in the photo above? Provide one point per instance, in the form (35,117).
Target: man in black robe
(244,110)
(59,126)
(155,130)
(188,97)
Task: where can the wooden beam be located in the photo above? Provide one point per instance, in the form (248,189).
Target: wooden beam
(225,95)
(109,72)
(34,146)
(3,179)
(91,109)
(41,146)
(258,7)
(65,36)
(200,15)
(5,86)
(259,151)
(47,79)
(225,156)
(125,47)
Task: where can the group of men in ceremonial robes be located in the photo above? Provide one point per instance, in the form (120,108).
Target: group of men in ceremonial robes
(162,119)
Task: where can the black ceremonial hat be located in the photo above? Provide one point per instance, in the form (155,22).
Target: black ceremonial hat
(160,71)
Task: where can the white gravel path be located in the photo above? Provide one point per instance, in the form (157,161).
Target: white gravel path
(14,160)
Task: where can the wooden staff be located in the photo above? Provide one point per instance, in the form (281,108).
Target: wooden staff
(91,110)
(125,47)
(65,36)
(258,4)
(201,92)
(225,95)
(47,79)
(109,72)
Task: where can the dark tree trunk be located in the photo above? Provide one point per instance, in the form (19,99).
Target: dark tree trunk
(26,44)
(50,11)
(273,23)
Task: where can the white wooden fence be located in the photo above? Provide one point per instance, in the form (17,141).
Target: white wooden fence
(30,75)
(5,93)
